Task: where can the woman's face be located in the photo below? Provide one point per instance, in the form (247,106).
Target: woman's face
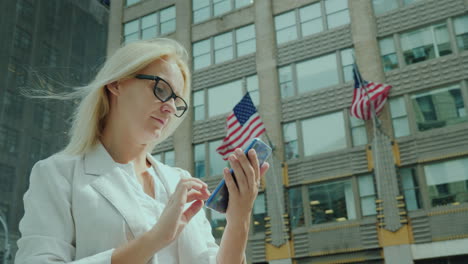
(143,115)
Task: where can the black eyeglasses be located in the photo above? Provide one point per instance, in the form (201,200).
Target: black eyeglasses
(164,92)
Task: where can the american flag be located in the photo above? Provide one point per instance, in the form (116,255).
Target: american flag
(377,92)
(243,124)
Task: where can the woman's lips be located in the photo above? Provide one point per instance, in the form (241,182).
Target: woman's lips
(160,121)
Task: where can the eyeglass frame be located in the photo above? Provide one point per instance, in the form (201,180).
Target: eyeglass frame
(156,80)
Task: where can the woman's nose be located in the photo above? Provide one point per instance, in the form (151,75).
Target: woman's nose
(169,106)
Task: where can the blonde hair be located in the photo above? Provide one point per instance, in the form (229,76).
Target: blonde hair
(89,117)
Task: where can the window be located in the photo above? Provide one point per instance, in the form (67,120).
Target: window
(150,26)
(252,88)
(13,104)
(291,150)
(324,133)
(168,20)
(317,73)
(22,39)
(367,194)
(358,131)
(201,54)
(9,140)
(388,53)
(259,214)
(426,43)
(218,222)
(347,62)
(439,108)
(337,13)
(25,9)
(311,19)
(399,117)
(7,174)
(224,47)
(131,2)
(199,157)
(296,209)
(157,157)
(205,9)
(447,182)
(461,32)
(383,6)
(223,50)
(217,164)
(223,98)
(410,188)
(285,25)
(50,56)
(47,118)
(286,81)
(331,202)
(169,158)
(198,105)
(245,40)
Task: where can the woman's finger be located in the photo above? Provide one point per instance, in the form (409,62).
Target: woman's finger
(196,195)
(230,184)
(193,210)
(264,169)
(238,172)
(254,161)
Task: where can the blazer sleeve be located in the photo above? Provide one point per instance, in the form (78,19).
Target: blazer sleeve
(47,227)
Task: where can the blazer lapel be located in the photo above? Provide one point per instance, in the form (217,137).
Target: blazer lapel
(114,185)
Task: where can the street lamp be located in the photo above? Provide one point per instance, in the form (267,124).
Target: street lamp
(7,244)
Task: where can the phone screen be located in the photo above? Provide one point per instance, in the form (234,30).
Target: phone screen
(219,199)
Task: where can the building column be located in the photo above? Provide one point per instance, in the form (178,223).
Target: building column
(278,247)
(396,245)
(114,37)
(182,139)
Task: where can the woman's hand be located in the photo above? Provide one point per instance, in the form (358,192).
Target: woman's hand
(242,195)
(173,219)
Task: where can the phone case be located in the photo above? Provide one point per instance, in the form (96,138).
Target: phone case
(219,199)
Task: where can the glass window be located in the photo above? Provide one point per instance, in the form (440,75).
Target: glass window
(201,54)
(285,25)
(447,182)
(317,73)
(9,140)
(259,213)
(410,188)
(218,222)
(367,194)
(252,88)
(337,13)
(426,43)
(399,117)
(22,39)
(199,105)
(347,62)
(245,40)
(408,2)
(131,31)
(324,133)
(169,158)
(311,19)
(149,27)
(439,108)
(461,32)
(221,6)
(241,3)
(223,49)
(157,157)
(13,104)
(199,157)
(358,131)
(285,81)
(291,150)
(296,207)
(382,6)
(131,2)
(388,53)
(223,98)
(331,202)
(201,10)
(6,178)
(168,20)
(217,164)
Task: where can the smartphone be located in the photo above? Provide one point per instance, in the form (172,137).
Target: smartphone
(219,199)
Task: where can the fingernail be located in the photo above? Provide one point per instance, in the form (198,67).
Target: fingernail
(238,151)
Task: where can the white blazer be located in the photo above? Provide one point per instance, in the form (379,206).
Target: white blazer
(78,209)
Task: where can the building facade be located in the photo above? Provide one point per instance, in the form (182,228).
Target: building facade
(295,59)
(45,46)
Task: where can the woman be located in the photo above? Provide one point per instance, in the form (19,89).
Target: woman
(104,199)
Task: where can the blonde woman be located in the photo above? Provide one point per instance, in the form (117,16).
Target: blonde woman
(105,199)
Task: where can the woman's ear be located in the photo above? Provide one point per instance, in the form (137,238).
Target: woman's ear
(113,88)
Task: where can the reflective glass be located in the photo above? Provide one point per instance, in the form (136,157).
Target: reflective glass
(217,164)
(317,73)
(324,134)
(199,157)
(223,98)
(461,32)
(383,6)
(285,80)
(291,149)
